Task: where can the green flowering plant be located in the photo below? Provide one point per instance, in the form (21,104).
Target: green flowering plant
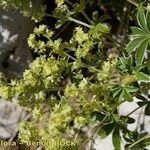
(73,89)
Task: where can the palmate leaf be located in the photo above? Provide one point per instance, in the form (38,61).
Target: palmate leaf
(147,109)
(124,93)
(142,76)
(142,20)
(127,95)
(116,138)
(148,18)
(136,31)
(99,28)
(116,91)
(106,130)
(140,52)
(141,36)
(133,45)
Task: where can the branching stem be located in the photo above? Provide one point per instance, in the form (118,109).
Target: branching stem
(79,22)
(133,2)
(140,140)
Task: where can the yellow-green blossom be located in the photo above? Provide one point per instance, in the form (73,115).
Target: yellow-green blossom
(80,121)
(59,2)
(40,30)
(80,36)
(71,90)
(31,41)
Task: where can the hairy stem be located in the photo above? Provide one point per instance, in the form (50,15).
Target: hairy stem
(87,17)
(79,22)
(133,2)
(133,111)
(140,140)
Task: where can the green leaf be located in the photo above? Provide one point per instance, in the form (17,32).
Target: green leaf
(106,130)
(116,91)
(138,31)
(121,95)
(123,62)
(104,17)
(148,18)
(141,103)
(95,16)
(116,117)
(131,89)
(132,45)
(141,97)
(147,109)
(127,95)
(128,120)
(116,138)
(142,76)
(97,116)
(138,68)
(102,28)
(140,52)
(95,31)
(80,7)
(141,17)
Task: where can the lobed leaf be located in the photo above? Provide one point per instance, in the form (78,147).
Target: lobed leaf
(142,76)
(134,44)
(141,51)
(106,130)
(138,31)
(116,138)
(127,96)
(141,18)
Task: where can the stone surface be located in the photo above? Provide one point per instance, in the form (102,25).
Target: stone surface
(14,52)
(14,58)
(10,115)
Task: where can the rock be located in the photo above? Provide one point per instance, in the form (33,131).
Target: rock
(10,115)
(15,55)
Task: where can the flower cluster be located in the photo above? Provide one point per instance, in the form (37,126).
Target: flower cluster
(38,45)
(59,2)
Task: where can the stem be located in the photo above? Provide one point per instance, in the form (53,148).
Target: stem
(79,22)
(133,111)
(50,15)
(99,125)
(87,17)
(141,139)
(133,2)
(113,40)
(61,30)
(83,12)
(73,20)
(69,3)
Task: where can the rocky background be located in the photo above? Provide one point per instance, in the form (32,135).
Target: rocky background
(15,57)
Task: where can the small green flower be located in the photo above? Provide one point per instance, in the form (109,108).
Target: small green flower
(80,121)
(59,2)
(40,30)
(71,90)
(80,36)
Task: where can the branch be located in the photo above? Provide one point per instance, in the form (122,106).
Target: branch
(79,22)
(133,3)
(140,140)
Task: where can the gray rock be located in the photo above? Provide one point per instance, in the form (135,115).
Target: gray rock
(14,31)
(10,115)
(14,51)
